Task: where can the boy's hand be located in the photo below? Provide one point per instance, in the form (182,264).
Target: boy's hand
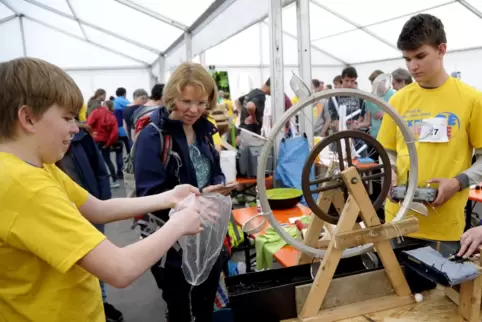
(181,192)
(188,221)
(446,189)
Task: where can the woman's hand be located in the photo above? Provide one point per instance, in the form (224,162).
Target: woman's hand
(181,192)
(221,188)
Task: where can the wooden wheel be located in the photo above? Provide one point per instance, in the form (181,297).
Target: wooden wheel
(333,181)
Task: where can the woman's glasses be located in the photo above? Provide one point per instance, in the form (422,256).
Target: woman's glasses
(189,103)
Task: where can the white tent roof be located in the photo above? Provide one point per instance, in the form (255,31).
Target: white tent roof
(88,34)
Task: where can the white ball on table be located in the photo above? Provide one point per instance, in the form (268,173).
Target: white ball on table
(418,297)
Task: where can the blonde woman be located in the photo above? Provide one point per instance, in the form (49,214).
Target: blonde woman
(188,97)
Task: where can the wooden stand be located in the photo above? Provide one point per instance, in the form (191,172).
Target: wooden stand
(468,297)
(345,236)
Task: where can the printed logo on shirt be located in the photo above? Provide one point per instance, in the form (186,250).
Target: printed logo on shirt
(412,117)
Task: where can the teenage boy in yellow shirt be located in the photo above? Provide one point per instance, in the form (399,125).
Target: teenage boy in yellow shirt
(51,257)
(446,165)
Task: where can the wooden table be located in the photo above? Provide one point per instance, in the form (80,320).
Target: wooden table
(435,307)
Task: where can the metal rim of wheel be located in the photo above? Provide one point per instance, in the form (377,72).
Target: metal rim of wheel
(336,138)
(275,134)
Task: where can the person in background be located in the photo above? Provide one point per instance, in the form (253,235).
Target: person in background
(372,120)
(322,115)
(188,96)
(349,76)
(84,164)
(120,104)
(317,85)
(373,115)
(253,108)
(140,98)
(220,97)
(445,165)
(338,82)
(83,113)
(105,132)
(96,100)
(141,115)
(295,100)
(328,86)
(229,103)
(401,78)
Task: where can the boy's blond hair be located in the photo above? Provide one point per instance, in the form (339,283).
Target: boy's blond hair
(36,84)
(190,74)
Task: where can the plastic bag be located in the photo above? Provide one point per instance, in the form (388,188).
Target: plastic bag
(200,252)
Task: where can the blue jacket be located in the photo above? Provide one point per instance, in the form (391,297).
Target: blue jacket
(150,174)
(120,104)
(90,165)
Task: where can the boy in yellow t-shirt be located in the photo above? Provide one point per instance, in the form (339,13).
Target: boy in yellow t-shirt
(50,255)
(446,165)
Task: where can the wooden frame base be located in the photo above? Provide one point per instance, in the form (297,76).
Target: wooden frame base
(312,299)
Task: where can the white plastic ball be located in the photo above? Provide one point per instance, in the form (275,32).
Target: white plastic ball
(418,297)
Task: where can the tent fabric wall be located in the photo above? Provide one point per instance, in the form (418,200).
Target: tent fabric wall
(110,80)
(127,34)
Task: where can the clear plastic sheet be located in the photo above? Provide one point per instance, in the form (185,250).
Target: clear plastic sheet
(200,252)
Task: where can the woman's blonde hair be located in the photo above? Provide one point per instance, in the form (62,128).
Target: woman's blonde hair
(190,74)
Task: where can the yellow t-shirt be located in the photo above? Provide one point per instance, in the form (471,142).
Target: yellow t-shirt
(83,113)
(42,236)
(462,106)
(216,136)
(229,105)
(295,100)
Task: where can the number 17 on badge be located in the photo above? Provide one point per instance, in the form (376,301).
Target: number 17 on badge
(434,130)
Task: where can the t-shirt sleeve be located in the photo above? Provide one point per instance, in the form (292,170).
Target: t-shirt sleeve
(75,193)
(475,134)
(388,129)
(50,226)
(332,109)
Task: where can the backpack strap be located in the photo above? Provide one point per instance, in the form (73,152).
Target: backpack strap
(167,152)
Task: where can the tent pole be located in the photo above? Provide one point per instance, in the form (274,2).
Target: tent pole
(304,62)
(152,14)
(86,41)
(261,45)
(22,32)
(202,58)
(85,23)
(77,19)
(188,43)
(162,70)
(276,67)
